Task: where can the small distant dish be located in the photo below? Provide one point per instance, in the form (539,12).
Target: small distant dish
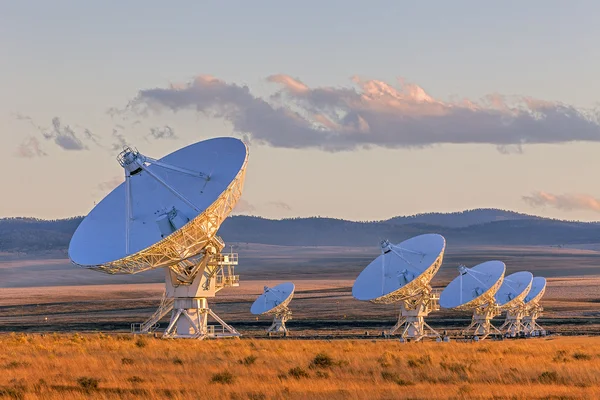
(510,298)
(533,308)
(275,301)
(474,289)
(514,289)
(538,289)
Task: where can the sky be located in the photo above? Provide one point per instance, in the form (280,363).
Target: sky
(355,110)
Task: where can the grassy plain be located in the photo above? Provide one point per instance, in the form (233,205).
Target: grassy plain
(99,366)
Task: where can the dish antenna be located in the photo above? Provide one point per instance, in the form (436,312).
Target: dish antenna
(510,298)
(533,309)
(402,274)
(474,289)
(166,215)
(275,301)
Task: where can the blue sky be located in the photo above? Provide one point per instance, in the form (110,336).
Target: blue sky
(75,60)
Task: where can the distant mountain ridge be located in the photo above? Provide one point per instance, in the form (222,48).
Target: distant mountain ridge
(462,219)
(478,226)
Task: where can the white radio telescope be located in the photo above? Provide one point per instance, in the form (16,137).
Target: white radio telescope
(533,308)
(166,215)
(274,301)
(402,273)
(510,298)
(474,289)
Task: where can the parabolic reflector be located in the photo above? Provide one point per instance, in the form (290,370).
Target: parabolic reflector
(172,211)
(473,286)
(401,270)
(514,288)
(538,288)
(273,299)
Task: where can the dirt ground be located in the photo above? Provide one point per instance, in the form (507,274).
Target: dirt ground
(47,294)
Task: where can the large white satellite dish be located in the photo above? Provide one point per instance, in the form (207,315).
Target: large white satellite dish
(510,298)
(533,308)
(402,273)
(274,301)
(474,289)
(167,214)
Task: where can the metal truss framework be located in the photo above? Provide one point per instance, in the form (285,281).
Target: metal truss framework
(412,312)
(415,288)
(513,323)
(530,325)
(484,309)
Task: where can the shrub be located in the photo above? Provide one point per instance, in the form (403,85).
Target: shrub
(322,360)
(135,379)
(419,362)
(177,361)
(87,383)
(548,377)
(141,343)
(581,356)
(127,361)
(393,377)
(223,378)
(561,356)
(457,368)
(298,372)
(251,359)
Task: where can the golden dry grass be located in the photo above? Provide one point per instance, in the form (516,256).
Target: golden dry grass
(70,366)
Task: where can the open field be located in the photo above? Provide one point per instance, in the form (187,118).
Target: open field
(49,294)
(121,366)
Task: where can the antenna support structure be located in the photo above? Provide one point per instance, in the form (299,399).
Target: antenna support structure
(513,323)
(417,299)
(279,320)
(481,323)
(530,325)
(411,321)
(189,279)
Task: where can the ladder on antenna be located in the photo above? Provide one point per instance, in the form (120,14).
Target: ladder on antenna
(151,324)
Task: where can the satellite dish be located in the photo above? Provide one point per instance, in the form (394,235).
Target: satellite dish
(533,308)
(510,298)
(275,301)
(474,289)
(402,273)
(166,215)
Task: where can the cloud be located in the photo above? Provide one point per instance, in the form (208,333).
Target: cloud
(30,148)
(243,207)
(62,135)
(165,132)
(279,204)
(371,113)
(119,140)
(566,202)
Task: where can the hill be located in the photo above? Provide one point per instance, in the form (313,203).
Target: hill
(462,219)
(481,226)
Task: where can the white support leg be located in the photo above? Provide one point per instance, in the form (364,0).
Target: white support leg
(513,324)
(411,319)
(481,325)
(279,320)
